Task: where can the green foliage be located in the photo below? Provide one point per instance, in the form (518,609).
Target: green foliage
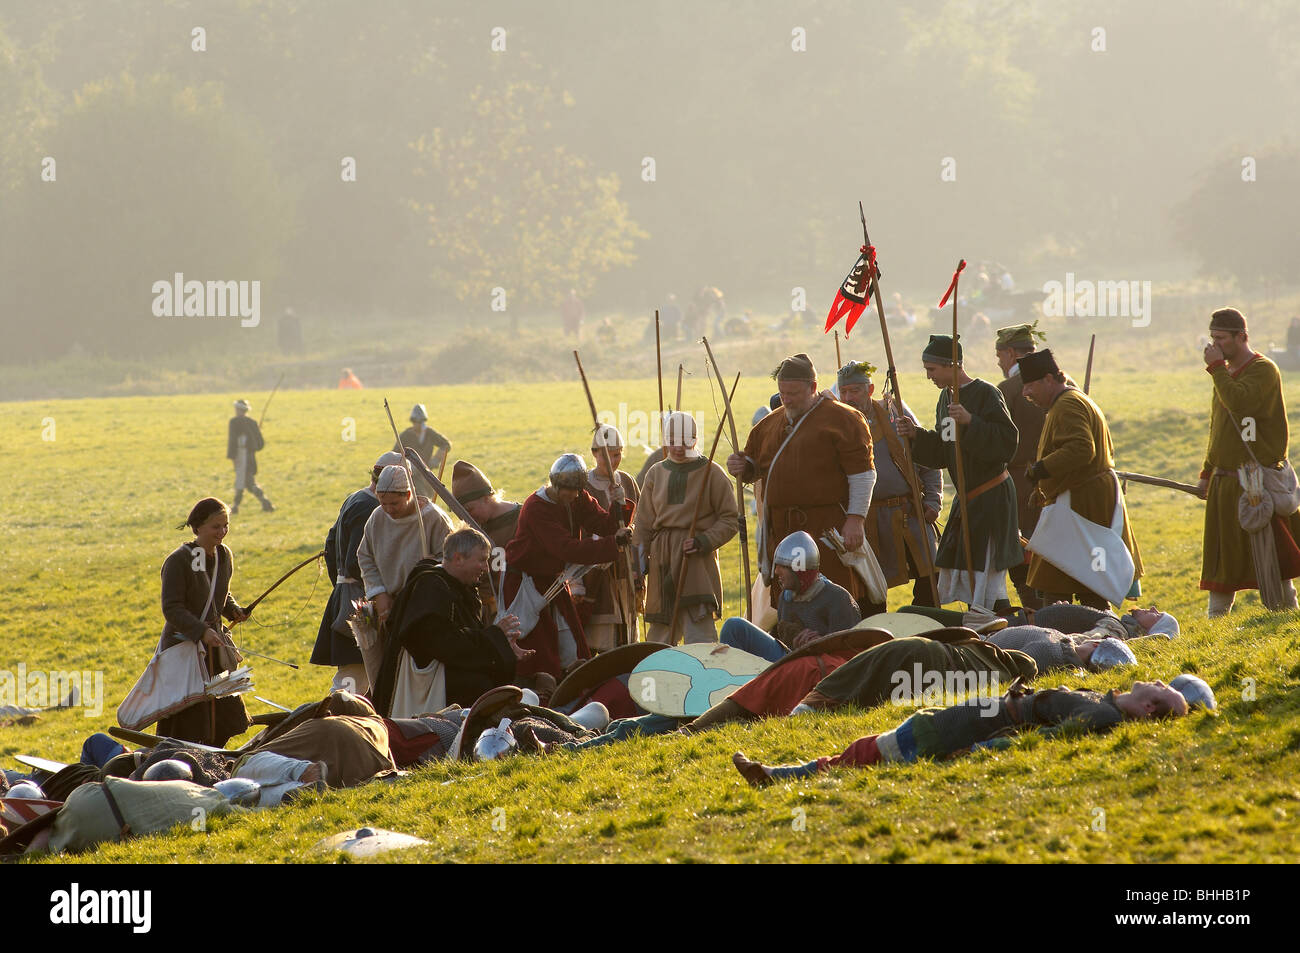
(507,205)
(1230,223)
(200,198)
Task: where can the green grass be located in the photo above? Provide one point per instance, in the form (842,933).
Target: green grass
(87,519)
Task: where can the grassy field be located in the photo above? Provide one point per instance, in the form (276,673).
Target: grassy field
(87,518)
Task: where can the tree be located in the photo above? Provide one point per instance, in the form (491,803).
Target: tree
(1239,222)
(153,179)
(506,206)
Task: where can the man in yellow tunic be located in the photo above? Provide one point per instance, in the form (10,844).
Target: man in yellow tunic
(1247,387)
(814,456)
(663,524)
(1075,454)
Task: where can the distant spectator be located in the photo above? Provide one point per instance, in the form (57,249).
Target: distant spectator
(348,380)
(670,319)
(572,311)
(290,332)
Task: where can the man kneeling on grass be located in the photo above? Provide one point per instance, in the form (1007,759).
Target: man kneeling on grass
(982,722)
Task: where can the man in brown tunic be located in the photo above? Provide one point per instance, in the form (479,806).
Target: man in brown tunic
(815,460)
(664,516)
(1075,454)
(1013,343)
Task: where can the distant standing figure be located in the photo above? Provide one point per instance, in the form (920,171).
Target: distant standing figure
(572,311)
(348,380)
(422,438)
(243,441)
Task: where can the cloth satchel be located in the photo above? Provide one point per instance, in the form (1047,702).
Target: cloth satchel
(1068,541)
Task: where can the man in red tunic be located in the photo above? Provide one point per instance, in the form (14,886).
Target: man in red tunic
(549,536)
(815,459)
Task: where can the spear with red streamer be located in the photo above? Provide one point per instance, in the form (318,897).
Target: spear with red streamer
(956,430)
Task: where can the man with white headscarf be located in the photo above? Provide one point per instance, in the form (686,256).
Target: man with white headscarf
(391,545)
(335,644)
(676,489)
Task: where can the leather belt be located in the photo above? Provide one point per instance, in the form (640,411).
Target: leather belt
(900,502)
(984,487)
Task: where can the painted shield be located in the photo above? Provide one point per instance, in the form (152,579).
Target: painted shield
(687,680)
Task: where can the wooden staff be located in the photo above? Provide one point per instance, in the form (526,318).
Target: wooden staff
(410,476)
(956,433)
(1087,374)
(268,400)
(905,466)
(690,534)
(627,597)
(839,361)
(659,374)
(679,387)
(740,486)
(443,465)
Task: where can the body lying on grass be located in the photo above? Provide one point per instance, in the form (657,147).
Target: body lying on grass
(983,722)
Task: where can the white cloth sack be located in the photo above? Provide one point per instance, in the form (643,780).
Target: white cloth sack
(863,562)
(418,691)
(173,680)
(527,605)
(1067,541)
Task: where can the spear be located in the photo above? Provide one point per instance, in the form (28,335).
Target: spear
(956,432)
(626,598)
(659,371)
(1087,374)
(679,387)
(891,387)
(690,534)
(268,400)
(740,486)
(839,361)
(410,476)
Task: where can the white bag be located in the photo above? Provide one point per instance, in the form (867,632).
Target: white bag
(527,606)
(1068,541)
(863,562)
(418,691)
(172,681)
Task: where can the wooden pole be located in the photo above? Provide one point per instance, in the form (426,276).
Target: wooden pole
(690,534)
(740,486)
(839,361)
(906,466)
(410,475)
(956,436)
(268,400)
(627,592)
(1087,374)
(679,387)
(659,374)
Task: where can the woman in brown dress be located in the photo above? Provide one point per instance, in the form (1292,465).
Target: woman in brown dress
(195,595)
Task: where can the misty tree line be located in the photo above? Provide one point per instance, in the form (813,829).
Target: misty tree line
(523,167)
